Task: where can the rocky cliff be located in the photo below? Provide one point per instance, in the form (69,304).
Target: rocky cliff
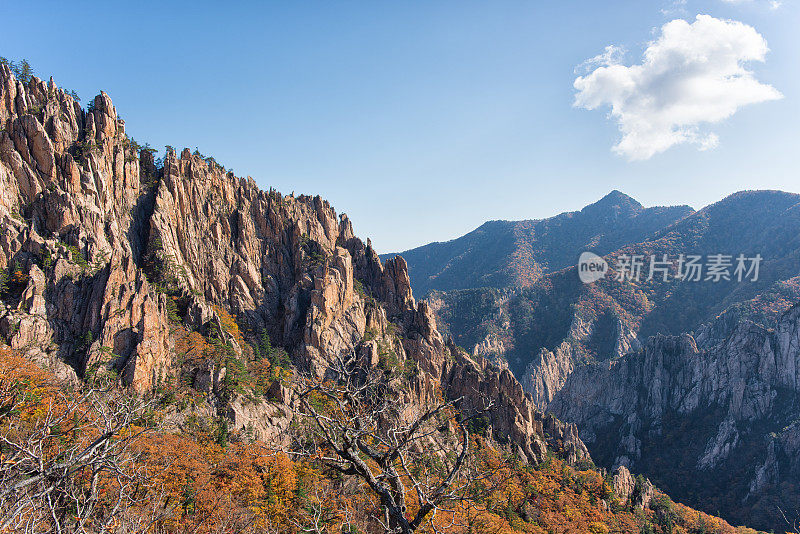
(722,404)
(110,254)
(72,211)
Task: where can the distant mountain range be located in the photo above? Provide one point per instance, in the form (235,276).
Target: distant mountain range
(479,281)
(510,291)
(517,253)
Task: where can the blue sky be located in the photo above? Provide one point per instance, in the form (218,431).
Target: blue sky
(421,120)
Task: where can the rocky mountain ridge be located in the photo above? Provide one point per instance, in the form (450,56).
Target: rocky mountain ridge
(106,252)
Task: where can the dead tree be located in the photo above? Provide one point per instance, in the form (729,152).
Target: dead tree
(401,450)
(70,466)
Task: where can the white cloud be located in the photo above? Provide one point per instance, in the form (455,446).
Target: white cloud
(692,75)
(612,55)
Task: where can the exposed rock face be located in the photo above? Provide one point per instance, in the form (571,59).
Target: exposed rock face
(91,230)
(546,373)
(66,225)
(629,491)
(734,395)
(516,419)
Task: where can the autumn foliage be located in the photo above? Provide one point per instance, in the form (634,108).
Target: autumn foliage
(184,479)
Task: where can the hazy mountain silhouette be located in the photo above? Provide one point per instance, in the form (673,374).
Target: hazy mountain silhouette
(517,253)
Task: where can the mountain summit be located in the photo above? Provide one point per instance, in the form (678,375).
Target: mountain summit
(614,206)
(517,253)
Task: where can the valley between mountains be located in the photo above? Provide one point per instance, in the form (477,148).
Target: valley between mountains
(692,383)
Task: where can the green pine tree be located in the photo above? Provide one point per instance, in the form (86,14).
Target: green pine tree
(23,71)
